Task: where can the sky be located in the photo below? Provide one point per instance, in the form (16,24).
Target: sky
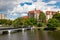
(18,8)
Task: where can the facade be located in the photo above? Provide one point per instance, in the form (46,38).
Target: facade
(35,13)
(49,14)
(2,16)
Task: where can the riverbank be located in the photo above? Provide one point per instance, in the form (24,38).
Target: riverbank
(45,28)
(32,28)
(58,28)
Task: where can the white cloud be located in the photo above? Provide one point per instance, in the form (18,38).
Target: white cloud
(18,8)
(55,9)
(52,2)
(38,5)
(21,1)
(15,14)
(31,7)
(21,9)
(26,8)
(11,18)
(23,14)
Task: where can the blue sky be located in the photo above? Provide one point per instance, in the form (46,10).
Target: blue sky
(18,8)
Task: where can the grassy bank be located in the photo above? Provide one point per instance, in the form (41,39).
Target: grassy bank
(58,28)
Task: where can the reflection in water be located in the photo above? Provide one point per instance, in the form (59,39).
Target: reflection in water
(9,32)
(55,35)
(32,35)
(45,35)
(24,35)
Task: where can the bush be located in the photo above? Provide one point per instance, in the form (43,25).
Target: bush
(52,23)
(40,24)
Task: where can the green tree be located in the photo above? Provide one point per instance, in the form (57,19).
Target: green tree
(57,16)
(2,21)
(8,22)
(42,17)
(40,24)
(53,23)
(24,22)
(17,22)
(5,22)
(32,21)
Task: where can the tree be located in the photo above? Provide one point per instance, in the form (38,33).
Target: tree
(40,24)
(2,21)
(32,21)
(8,22)
(57,16)
(42,17)
(17,22)
(53,23)
(24,22)
(5,22)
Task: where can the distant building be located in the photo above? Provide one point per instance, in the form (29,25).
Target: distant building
(35,13)
(25,17)
(49,14)
(2,16)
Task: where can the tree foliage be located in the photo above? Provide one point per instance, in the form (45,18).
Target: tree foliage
(5,22)
(40,24)
(25,22)
(53,23)
(8,22)
(57,16)
(18,21)
(42,17)
(2,21)
(32,21)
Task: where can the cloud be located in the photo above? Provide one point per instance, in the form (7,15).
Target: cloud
(25,6)
(56,0)
(11,4)
(7,5)
(11,18)
(46,1)
(13,7)
(34,0)
(15,14)
(24,14)
(52,2)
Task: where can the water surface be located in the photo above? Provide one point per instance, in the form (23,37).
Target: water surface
(32,35)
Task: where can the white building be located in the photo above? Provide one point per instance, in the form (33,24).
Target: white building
(2,16)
